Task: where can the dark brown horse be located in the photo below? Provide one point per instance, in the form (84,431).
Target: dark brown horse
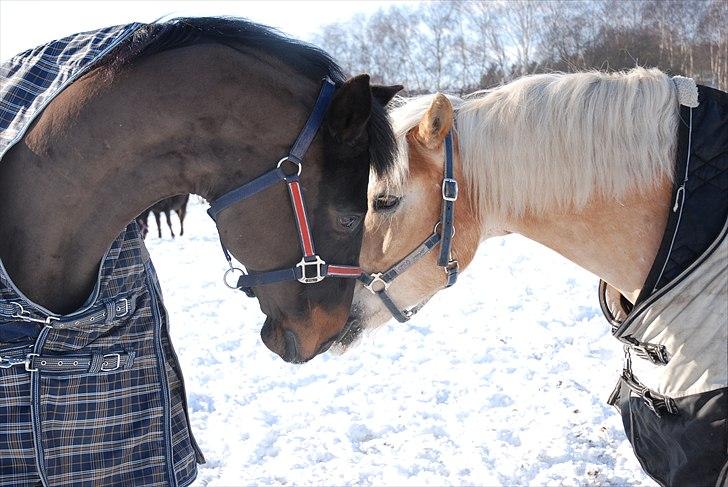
(197,106)
(177,203)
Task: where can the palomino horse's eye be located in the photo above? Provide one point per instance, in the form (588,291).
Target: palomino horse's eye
(386,202)
(350,222)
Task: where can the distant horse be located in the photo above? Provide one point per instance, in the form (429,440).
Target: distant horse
(90,387)
(178,204)
(612,173)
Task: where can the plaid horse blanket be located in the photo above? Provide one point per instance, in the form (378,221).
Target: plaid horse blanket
(95,397)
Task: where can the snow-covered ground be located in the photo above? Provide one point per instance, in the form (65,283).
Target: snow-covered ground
(501,380)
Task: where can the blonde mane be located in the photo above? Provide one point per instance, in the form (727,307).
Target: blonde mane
(553,142)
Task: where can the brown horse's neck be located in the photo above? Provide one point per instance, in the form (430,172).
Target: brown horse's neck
(616,240)
(103,151)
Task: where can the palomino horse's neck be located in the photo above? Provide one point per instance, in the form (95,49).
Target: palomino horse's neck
(105,150)
(580,163)
(616,240)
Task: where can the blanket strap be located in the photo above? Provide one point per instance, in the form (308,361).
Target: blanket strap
(655,402)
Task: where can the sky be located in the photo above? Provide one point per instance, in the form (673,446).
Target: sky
(55,19)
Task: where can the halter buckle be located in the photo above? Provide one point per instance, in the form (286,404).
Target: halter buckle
(377,279)
(449,189)
(315,262)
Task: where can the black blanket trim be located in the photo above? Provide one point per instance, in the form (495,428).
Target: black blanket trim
(705,206)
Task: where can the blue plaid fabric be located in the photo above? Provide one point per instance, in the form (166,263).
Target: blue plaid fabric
(122,425)
(31,79)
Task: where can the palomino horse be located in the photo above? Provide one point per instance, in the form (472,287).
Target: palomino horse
(585,164)
(90,387)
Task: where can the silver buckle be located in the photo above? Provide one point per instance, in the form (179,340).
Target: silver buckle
(377,278)
(105,364)
(28,358)
(121,308)
(318,263)
(449,189)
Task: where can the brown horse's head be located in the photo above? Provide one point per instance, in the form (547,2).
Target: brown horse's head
(206,105)
(305,319)
(404,207)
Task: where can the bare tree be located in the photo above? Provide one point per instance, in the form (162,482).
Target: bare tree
(461,46)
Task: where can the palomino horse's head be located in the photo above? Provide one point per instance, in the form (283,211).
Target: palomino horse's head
(404,209)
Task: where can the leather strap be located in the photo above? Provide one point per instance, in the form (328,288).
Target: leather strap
(377,283)
(93,363)
(311,268)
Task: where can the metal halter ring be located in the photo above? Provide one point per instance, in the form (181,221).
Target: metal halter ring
(227,273)
(292,161)
(434,230)
(377,279)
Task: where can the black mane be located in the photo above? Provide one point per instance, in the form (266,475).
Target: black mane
(309,60)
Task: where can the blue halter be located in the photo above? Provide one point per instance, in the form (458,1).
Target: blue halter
(311,268)
(378,282)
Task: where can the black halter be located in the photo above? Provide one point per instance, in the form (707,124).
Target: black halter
(378,282)
(311,268)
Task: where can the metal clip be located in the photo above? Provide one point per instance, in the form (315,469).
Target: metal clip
(24,315)
(451,272)
(657,354)
(377,279)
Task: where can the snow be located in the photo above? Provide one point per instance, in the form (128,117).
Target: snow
(501,380)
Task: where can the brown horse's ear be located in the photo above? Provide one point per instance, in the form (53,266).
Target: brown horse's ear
(384,94)
(436,123)
(350,109)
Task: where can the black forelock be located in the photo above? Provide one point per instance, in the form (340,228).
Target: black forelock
(382,143)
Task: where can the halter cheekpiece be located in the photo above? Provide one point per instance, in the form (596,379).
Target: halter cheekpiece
(311,268)
(378,282)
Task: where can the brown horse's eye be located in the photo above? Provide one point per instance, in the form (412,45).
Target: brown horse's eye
(385,202)
(349,222)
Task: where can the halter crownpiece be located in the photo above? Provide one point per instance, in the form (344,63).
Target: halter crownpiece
(311,268)
(378,282)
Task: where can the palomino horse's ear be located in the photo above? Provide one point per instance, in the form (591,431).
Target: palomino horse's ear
(384,94)
(436,123)
(350,109)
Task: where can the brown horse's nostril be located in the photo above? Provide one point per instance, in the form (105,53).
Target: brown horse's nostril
(266,333)
(290,353)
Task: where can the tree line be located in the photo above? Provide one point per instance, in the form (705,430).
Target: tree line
(464,46)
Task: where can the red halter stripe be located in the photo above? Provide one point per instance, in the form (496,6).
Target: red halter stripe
(299,210)
(312,268)
(344,270)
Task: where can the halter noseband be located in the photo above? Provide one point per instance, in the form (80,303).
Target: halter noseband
(311,268)
(378,282)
